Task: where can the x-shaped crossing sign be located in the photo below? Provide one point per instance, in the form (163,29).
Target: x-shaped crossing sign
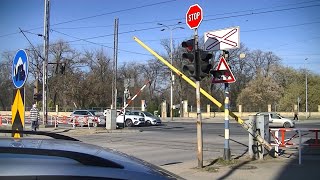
(222,39)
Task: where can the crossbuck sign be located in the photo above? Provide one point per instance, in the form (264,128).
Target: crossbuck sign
(223,39)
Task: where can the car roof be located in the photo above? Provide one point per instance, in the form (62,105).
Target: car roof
(40,151)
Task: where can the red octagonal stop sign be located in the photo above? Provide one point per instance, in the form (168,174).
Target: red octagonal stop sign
(194,16)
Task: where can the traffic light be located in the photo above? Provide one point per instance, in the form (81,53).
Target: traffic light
(120,100)
(204,64)
(37,96)
(189,56)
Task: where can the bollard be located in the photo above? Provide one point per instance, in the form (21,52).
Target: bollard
(55,122)
(74,122)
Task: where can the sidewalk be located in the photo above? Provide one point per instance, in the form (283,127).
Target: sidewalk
(246,169)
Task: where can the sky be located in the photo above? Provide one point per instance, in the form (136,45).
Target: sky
(289,28)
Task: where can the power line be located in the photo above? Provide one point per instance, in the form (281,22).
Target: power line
(106,35)
(103,14)
(79,39)
(280,27)
(144,29)
(148,22)
(181,19)
(262,12)
(118,11)
(31,44)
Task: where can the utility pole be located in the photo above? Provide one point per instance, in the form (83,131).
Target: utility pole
(171,61)
(45,61)
(306,88)
(115,62)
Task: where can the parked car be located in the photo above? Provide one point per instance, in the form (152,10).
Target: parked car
(149,118)
(276,120)
(64,157)
(128,119)
(81,115)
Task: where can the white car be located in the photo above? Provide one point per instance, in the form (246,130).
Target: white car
(129,120)
(276,120)
(84,116)
(150,119)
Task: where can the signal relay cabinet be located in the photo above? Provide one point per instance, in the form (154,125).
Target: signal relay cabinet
(260,125)
(111,115)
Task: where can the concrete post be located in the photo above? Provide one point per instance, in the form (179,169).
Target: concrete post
(318,108)
(143,105)
(208,110)
(240,110)
(164,109)
(252,130)
(57,110)
(269,108)
(185,108)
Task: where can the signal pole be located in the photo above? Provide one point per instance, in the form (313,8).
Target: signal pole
(226,152)
(199,120)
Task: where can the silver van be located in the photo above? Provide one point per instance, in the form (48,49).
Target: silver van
(150,119)
(276,120)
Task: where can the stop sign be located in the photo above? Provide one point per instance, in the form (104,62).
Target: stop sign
(194,16)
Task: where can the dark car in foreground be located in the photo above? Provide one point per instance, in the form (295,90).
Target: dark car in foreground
(45,158)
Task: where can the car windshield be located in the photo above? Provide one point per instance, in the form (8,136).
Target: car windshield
(93,112)
(148,114)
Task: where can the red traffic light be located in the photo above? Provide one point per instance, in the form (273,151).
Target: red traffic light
(189,45)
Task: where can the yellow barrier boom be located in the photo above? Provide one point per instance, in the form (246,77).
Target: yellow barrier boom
(203,92)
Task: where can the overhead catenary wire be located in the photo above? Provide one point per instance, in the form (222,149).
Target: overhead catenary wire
(225,17)
(183,18)
(80,39)
(31,44)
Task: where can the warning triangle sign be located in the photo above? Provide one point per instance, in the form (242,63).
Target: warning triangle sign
(226,74)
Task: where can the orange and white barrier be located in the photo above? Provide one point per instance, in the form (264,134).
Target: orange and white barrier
(74,121)
(287,143)
(6,119)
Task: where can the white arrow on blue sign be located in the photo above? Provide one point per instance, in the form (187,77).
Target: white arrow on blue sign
(20,69)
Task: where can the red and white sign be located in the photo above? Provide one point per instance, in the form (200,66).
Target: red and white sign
(222,39)
(194,16)
(227,76)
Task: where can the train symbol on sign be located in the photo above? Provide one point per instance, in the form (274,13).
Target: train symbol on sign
(20,69)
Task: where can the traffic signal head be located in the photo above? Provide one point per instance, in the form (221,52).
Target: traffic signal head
(119,100)
(204,63)
(189,57)
(37,96)
(188,45)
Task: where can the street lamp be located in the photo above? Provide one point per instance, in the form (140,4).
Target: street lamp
(306,88)
(171,28)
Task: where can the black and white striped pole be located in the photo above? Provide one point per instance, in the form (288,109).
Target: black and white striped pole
(226,152)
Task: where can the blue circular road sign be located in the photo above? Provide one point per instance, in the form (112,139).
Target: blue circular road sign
(20,68)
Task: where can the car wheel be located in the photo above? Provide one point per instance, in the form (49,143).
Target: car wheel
(286,125)
(148,123)
(129,123)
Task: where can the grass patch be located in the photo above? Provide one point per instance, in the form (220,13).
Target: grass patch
(221,162)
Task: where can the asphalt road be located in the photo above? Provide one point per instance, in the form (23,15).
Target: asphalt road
(176,142)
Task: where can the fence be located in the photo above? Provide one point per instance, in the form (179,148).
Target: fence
(298,133)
